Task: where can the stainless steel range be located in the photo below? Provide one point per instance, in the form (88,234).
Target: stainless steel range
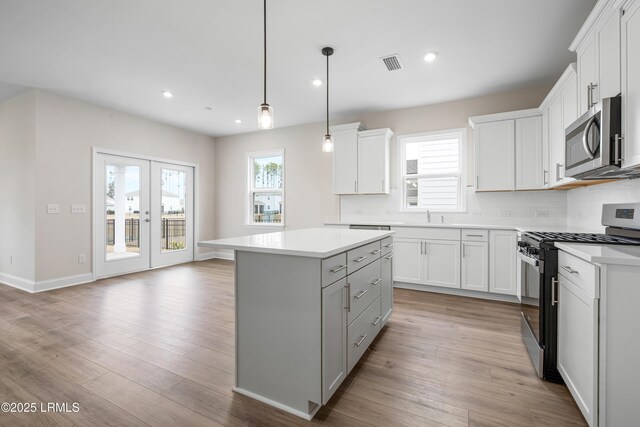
(539,279)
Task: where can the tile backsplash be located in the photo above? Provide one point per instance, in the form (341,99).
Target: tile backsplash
(584,205)
(537,208)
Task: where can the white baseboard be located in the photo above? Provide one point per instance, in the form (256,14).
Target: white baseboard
(455,291)
(17,282)
(44,285)
(219,254)
(63,282)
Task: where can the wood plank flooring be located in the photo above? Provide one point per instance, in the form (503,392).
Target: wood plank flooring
(157,348)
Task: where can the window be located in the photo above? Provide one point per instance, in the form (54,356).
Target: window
(433,170)
(266,188)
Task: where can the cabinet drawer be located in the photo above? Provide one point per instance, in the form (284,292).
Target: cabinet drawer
(434,233)
(386,245)
(475,235)
(359,257)
(334,268)
(362,332)
(364,287)
(580,272)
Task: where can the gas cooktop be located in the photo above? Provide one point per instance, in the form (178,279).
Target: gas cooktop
(543,236)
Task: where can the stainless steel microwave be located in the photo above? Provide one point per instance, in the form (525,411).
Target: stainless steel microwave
(593,143)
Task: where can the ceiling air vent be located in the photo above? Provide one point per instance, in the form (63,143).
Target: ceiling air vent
(392,62)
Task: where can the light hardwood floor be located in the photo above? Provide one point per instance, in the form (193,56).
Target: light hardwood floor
(156,348)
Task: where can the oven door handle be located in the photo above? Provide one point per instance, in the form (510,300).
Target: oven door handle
(585,138)
(529,260)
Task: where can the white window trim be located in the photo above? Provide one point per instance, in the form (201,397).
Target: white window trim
(249,179)
(460,133)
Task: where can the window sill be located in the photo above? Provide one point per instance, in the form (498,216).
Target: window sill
(265,225)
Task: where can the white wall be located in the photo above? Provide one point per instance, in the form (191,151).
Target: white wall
(17,187)
(584,205)
(57,169)
(308,198)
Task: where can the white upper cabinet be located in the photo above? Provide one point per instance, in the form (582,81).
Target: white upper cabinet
(495,158)
(509,151)
(529,168)
(609,56)
(345,158)
(373,161)
(598,49)
(560,108)
(587,74)
(630,27)
(360,160)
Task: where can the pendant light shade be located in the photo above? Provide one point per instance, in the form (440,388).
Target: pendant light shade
(327,141)
(265,111)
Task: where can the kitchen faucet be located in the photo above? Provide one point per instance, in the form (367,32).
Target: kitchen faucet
(428,216)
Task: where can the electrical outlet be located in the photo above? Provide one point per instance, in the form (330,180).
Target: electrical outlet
(505,213)
(78,209)
(53,209)
(476,213)
(542,214)
(82,258)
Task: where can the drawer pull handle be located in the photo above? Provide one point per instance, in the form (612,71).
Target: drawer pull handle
(360,294)
(474,235)
(389,257)
(335,270)
(569,269)
(388,245)
(376,252)
(376,282)
(362,258)
(377,321)
(554,284)
(362,338)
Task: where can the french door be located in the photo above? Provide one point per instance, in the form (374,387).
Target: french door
(143,214)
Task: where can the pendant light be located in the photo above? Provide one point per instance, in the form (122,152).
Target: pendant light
(265,112)
(327,141)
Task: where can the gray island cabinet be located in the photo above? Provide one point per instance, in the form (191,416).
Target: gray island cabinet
(308,305)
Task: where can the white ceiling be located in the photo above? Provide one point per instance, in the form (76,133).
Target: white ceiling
(7,90)
(123,53)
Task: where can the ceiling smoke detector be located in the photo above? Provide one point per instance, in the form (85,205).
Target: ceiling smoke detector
(392,62)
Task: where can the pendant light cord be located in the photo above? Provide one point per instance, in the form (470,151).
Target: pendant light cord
(327,94)
(265,51)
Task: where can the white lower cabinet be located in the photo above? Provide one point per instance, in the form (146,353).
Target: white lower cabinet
(503,246)
(578,345)
(441,265)
(334,338)
(475,266)
(407,261)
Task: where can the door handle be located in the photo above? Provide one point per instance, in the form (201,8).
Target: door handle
(464,252)
(618,148)
(348,288)
(557,172)
(589,96)
(545,181)
(554,284)
(585,138)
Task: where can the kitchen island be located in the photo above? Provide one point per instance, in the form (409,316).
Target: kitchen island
(308,304)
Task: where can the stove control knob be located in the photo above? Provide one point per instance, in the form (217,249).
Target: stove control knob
(522,244)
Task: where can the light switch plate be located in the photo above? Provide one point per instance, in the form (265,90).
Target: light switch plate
(505,213)
(78,209)
(53,209)
(82,258)
(542,214)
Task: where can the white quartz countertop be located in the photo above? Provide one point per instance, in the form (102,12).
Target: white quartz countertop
(603,254)
(522,228)
(309,242)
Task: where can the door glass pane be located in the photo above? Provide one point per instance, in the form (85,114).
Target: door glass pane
(174,219)
(122,204)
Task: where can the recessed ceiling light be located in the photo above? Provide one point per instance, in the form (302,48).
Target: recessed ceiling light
(317,82)
(167,94)
(208,108)
(238,121)
(431,56)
